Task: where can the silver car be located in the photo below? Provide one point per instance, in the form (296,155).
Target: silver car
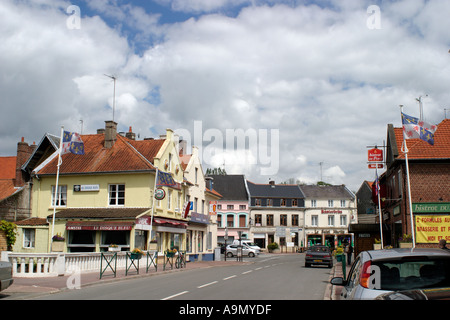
(6,278)
(382,271)
(246,251)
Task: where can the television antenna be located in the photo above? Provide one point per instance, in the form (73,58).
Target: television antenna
(114,78)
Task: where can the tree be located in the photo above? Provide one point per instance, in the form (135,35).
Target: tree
(10,231)
(216,171)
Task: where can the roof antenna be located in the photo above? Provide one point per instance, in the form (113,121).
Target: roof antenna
(114,78)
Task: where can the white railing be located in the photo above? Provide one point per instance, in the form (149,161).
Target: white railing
(29,265)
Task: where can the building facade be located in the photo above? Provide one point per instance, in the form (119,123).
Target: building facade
(329,210)
(277,213)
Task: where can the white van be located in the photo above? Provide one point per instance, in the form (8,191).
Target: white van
(248,243)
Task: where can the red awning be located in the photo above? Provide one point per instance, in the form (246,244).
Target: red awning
(167,221)
(100,225)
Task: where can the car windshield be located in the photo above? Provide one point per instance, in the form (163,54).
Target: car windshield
(319,249)
(407,274)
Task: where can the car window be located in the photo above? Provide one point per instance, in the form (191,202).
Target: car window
(416,273)
(353,275)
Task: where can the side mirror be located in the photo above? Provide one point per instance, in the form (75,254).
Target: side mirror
(338,281)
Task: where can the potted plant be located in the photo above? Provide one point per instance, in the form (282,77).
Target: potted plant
(338,253)
(171,252)
(113,248)
(58,243)
(136,254)
(273,247)
(405,241)
(377,244)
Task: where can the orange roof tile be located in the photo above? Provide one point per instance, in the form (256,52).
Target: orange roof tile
(419,149)
(7,188)
(124,155)
(8,167)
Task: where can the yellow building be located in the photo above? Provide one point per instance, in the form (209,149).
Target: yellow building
(106,196)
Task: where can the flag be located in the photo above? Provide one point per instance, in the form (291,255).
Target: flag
(72,143)
(414,128)
(377,184)
(165,179)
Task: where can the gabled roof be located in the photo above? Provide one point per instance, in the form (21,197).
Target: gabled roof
(291,191)
(45,148)
(231,187)
(125,155)
(327,192)
(419,149)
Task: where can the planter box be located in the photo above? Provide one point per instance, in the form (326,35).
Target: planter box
(135,256)
(406,245)
(377,246)
(112,249)
(57,246)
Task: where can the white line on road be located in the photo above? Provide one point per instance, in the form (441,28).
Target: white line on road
(175,295)
(230,277)
(206,284)
(258,268)
(247,272)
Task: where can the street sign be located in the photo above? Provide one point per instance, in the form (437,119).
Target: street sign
(375,155)
(375,166)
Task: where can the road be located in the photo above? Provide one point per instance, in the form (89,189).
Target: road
(269,277)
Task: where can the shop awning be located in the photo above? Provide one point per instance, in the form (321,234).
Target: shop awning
(168,221)
(100,225)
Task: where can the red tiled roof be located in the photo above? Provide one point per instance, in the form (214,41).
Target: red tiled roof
(33,222)
(8,167)
(419,149)
(124,155)
(6,188)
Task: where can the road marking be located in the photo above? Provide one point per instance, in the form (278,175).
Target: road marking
(258,268)
(266,267)
(247,272)
(230,277)
(206,284)
(175,295)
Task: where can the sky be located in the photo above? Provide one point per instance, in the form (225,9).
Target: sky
(270,89)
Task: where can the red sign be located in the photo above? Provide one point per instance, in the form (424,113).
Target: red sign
(375,166)
(375,155)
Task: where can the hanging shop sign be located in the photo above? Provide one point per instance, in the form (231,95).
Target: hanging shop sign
(375,155)
(160,194)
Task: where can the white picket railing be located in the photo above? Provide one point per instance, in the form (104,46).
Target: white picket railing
(56,264)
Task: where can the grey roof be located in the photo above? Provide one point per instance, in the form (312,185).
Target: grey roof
(327,192)
(231,187)
(274,191)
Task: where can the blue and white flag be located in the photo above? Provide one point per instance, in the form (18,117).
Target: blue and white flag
(413,128)
(72,143)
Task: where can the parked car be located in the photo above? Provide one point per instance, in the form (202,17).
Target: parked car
(248,243)
(425,294)
(319,255)
(6,278)
(378,272)
(246,250)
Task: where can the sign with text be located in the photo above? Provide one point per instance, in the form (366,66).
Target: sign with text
(431,207)
(375,155)
(432,228)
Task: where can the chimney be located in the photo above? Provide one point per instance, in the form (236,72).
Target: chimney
(182,146)
(24,152)
(272,183)
(130,134)
(110,133)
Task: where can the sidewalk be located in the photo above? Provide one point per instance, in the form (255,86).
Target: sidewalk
(56,284)
(334,292)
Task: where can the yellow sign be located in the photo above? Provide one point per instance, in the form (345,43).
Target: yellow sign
(432,228)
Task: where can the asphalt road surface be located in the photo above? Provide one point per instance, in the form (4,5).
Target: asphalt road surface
(269,277)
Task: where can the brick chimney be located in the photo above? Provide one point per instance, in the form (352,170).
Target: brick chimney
(130,134)
(110,133)
(24,152)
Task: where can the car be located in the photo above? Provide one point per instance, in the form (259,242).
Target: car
(318,255)
(425,294)
(248,243)
(232,250)
(6,278)
(378,272)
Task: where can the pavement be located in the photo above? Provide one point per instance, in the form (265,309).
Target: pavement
(24,288)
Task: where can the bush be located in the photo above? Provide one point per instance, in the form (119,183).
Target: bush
(272,246)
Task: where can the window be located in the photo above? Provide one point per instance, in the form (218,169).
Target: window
(230,221)
(343,220)
(269,219)
(330,203)
(196,175)
(258,202)
(313,203)
(269,202)
(29,236)
(283,202)
(330,221)
(283,219)
(116,194)
(61,196)
(258,219)
(314,221)
(242,222)
(342,203)
(294,219)
(242,207)
(169,199)
(219,220)
(294,202)
(230,206)
(219,207)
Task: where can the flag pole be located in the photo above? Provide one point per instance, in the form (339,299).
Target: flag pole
(57,182)
(405,151)
(153,205)
(379,206)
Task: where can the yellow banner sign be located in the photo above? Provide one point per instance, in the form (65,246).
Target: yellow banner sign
(432,228)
